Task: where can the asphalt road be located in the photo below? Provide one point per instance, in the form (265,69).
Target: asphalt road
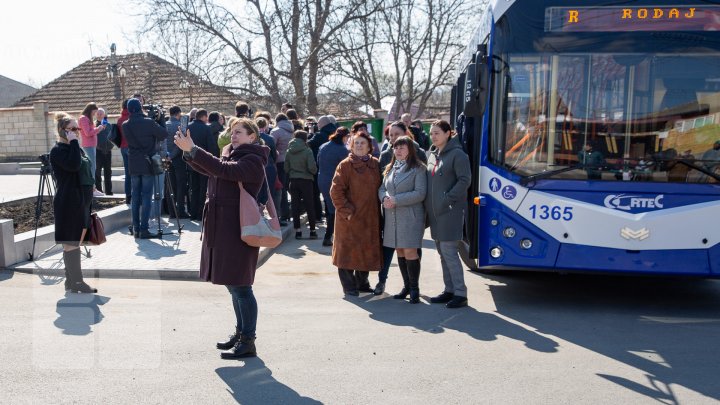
(526,338)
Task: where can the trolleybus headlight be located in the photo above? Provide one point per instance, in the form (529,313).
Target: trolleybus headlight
(509,232)
(526,244)
(496,252)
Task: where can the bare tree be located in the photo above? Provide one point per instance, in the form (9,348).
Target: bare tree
(408,50)
(291,36)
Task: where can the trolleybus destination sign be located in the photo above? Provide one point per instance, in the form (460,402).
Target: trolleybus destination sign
(620,19)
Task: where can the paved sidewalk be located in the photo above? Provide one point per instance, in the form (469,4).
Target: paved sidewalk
(16,186)
(175,256)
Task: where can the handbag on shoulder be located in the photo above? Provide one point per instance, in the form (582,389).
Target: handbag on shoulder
(96,232)
(257,229)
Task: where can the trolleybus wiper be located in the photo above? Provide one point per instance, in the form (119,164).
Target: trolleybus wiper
(544,175)
(690,164)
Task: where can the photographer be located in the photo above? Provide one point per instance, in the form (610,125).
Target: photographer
(142,134)
(179,171)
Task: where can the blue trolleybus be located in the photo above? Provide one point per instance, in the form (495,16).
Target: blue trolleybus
(593,128)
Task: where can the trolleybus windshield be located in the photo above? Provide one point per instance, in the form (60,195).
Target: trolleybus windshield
(613,107)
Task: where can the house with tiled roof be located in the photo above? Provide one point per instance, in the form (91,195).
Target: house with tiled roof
(108,80)
(11,91)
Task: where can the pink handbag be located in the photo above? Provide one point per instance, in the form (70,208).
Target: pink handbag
(257,229)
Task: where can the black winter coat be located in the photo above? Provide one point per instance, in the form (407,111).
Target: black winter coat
(69,198)
(202,136)
(142,134)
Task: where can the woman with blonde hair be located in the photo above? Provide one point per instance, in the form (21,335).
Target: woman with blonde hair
(73,173)
(225,258)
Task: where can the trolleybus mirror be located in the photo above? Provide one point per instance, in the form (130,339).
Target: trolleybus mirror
(475,91)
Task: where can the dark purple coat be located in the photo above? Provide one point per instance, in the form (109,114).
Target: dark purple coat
(225,258)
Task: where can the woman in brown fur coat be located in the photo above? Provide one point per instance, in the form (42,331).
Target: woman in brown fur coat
(357,247)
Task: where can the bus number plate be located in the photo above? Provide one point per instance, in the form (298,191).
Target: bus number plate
(554,213)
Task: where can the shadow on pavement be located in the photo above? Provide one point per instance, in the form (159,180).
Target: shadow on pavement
(6,275)
(77,312)
(436,319)
(253,383)
(665,327)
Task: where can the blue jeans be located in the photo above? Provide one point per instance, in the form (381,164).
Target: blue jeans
(388,254)
(142,187)
(158,194)
(90,152)
(246,310)
(128,187)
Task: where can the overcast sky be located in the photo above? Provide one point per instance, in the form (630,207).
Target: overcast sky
(41,40)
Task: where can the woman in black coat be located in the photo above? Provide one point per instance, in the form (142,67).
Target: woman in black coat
(72,170)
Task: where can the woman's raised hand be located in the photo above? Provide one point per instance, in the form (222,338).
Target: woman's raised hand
(184,142)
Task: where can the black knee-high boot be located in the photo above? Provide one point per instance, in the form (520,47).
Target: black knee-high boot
(402,264)
(74,272)
(413,270)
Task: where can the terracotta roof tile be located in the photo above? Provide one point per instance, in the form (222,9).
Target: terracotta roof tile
(158,80)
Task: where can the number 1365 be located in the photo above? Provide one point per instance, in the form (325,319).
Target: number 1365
(555,213)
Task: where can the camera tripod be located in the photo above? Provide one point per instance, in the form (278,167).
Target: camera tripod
(156,196)
(46,184)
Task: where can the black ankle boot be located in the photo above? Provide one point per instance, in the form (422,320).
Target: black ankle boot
(413,271)
(232,340)
(245,347)
(402,264)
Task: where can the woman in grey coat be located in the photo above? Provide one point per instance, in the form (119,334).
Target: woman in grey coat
(402,193)
(448,179)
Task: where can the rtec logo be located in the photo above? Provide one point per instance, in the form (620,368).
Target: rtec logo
(628,202)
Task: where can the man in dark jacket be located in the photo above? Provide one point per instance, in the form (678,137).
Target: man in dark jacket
(179,169)
(326,127)
(103,154)
(202,137)
(142,135)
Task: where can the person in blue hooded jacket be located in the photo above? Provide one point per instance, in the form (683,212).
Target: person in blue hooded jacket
(329,157)
(142,134)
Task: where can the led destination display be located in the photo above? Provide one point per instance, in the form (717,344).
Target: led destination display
(623,19)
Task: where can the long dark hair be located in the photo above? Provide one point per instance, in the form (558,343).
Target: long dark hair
(88,110)
(339,134)
(412,160)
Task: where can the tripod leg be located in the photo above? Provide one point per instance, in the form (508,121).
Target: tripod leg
(168,185)
(156,204)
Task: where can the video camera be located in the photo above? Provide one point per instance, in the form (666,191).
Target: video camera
(45,166)
(311,127)
(156,112)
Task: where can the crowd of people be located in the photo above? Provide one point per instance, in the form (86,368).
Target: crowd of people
(377,198)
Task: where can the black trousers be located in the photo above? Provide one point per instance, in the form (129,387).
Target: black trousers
(316,199)
(103,163)
(302,190)
(198,194)
(179,182)
(284,209)
(353,280)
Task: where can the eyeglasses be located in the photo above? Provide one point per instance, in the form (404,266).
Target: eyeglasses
(73,129)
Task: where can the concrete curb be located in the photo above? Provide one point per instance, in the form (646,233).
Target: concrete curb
(150,274)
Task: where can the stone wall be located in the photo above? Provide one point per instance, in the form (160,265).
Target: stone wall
(24,132)
(28,132)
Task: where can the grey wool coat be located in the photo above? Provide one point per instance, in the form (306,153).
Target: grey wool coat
(448,179)
(404,224)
